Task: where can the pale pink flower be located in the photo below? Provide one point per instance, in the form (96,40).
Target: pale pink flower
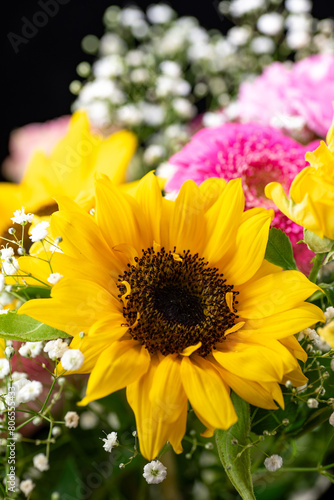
(257,154)
(24,141)
(294,97)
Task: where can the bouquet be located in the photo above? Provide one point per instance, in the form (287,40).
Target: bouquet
(170,334)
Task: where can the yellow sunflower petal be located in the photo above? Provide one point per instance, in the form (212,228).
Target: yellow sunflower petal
(121,364)
(254,361)
(249,390)
(223,219)
(251,243)
(149,198)
(171,402)
(285,323)
(207,392)
(153,431)
(273,294)
(294,347)
(109,328)
(89,300)
(119,216)
(187,225)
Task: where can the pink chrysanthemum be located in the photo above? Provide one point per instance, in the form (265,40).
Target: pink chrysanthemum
(256,153)
(297,97)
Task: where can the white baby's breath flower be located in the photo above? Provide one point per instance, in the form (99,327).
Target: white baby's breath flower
(88,420)
(331,419)
(298,39)
(4,367)
(71,419)
(298,6)
(72,359)
(312,403)
(35,348)
(30,391)
(25,351)
(153,114)
(129,115)
(153,153)
(54,278)
(130,16)
(9,352)
(41,462)
(155,472)
(56,348)
(184,108)
(111,43)
(139,75)
(6,253)
(262,45)
(4,311)
(329,313)
(273,463)
(20,217)
(27,486)
(2,282)
(18,376)
(238,35)
(108,67)
(110,442)
(238,8)
(10,266)
(135,57)
(171,68)
(39,232)
(270,24)
(160,14)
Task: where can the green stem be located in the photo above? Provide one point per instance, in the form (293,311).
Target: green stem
(317,263)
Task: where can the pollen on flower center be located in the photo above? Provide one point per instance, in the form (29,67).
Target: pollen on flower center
(171,302)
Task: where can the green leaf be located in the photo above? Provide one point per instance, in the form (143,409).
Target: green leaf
(329,291)
(237,468)
(21,327)
(279,250)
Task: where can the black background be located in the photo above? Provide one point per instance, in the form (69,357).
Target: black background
(35,80)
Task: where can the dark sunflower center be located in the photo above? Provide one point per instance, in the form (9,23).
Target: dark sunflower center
(172,301)
(179,305)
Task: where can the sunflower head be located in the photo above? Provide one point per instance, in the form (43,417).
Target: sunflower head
(177,303)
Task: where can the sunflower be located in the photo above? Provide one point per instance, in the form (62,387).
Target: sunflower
(174,301)
(69,170)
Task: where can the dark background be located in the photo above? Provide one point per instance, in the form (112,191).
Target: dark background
(35,80)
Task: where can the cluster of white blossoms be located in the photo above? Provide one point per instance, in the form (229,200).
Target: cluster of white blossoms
(273,463)
(155,472)
(110,441)
(9,264)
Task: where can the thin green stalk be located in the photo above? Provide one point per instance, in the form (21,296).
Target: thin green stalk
(317,263)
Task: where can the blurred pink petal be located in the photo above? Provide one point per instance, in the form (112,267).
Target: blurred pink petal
(296,98)
(24,141)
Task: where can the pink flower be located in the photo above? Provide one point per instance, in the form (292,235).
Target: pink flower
(256,153)
(296,98)
(24,141)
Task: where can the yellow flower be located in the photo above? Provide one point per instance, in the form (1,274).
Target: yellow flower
(311,197)
(68,171)
(177,304)
(327,333)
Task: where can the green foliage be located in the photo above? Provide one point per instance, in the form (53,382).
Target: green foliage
(21,327)
(235,457)
(279,250)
